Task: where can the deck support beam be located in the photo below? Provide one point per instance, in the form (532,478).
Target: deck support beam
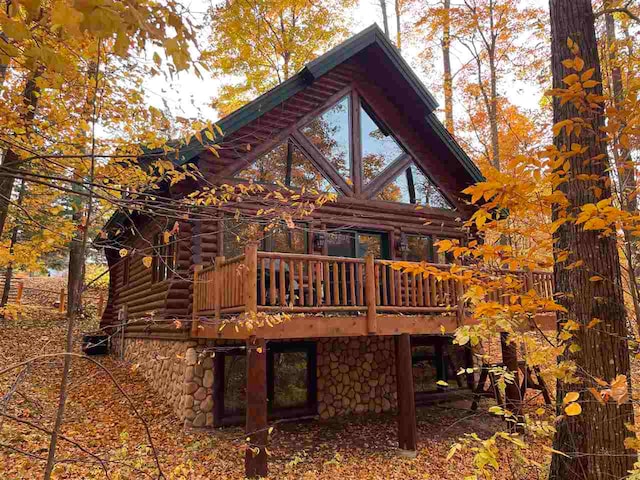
(407,428)
(513,400)
(256,422)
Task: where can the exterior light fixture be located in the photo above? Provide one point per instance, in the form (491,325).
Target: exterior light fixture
(319,240)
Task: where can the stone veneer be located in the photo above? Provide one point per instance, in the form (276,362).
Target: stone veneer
(181,371)
(356,375)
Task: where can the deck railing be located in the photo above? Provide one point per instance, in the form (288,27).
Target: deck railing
(295,283)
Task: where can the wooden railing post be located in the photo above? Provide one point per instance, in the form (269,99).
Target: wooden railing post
(459,295)
(62,300)
(370,293)
(217,287)
(196,303)
(251,278)
(19,292)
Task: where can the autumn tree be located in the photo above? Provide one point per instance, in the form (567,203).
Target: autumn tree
(592,290)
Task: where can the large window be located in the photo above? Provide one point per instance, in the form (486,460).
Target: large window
(379,148)
(324,146)
(330,133)
(291,380)
(413,186)
(287,165)
(165,248)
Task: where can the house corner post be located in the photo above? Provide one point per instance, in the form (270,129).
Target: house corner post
(196,305)
(407,427)
(256,427)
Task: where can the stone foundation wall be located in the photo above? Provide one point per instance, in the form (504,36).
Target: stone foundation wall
(356,375)
(180,371)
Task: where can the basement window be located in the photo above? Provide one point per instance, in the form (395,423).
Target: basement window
(291,381)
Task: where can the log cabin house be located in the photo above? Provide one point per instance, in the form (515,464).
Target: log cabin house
(361,337)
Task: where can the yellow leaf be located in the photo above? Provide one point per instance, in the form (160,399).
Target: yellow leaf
(123,252)
(587,75)
(571,397)
(147,261)
(442,383)
(573,409)
(259,349)
(578,64)
(596,278)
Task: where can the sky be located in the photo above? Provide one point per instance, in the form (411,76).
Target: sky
(188,96)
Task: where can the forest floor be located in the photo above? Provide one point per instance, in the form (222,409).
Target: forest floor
(103,422)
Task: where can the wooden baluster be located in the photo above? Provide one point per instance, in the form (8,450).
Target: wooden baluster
(360,284)
(343,276)
(372,321)
(336,286)
(383,286)
(318,266)
(327,284)
(352,280)
(405,280)
(414,289)
(446,294)
(263,287)
(300,284)
(392,286)
(399,289)
(292,287)
(420,281)
(433,288)
(272,281)
(376,269)
(310,268)
(283,287)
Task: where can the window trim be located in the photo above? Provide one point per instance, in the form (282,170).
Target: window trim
(237,417)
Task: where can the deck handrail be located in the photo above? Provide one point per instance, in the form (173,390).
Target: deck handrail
(300,283)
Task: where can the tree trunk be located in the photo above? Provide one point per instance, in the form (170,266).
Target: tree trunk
(11,159)
(493,111)
(14,239)
(446,57)
(399,24)
(385,20)
(594,440)
(626,173)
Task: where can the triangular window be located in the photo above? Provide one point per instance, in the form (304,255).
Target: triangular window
(329,132)
(379,148)
(413,186)
(288,165)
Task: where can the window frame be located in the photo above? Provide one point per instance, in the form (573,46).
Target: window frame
(223,418)
(163,270)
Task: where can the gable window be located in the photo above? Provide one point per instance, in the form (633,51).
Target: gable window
(379,148)
(287,165)
(413,186)
(330,133)
(164,256)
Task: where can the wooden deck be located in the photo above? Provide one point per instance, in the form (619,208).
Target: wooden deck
(332,296)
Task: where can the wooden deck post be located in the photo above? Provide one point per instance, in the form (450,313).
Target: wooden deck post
(196,304)
(407,429)
(62,299)
(251,278)
(19,292)
(513,400)
(370,293)
(217,286)
(255,461)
